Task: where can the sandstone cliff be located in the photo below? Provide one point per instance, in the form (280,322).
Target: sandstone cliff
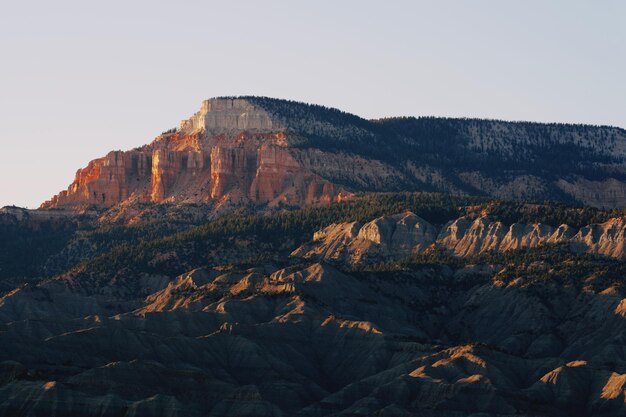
(230,151)
(266,151)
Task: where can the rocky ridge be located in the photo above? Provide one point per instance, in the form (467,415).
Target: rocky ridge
(402,235)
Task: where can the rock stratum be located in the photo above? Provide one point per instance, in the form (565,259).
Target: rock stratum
(261,151)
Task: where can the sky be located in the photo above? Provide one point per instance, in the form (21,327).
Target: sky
(81,78)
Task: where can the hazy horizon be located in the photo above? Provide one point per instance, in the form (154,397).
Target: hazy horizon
(80,80)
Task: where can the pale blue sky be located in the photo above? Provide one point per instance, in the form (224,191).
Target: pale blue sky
(80,78)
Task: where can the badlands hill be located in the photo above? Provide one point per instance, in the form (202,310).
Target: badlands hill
(397,304)
(262,151)
(406,234)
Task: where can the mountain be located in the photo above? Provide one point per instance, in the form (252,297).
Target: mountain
(268,152)
(273,258)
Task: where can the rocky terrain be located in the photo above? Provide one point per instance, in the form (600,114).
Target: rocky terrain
(311,340)
(423,304)
(269,152)
(402,235)
(247,263)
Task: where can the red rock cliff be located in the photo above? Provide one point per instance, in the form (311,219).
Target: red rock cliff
(229,151)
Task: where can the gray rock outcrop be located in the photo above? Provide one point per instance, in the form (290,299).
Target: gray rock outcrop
(402,235)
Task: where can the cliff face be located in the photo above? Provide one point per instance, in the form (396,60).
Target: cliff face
(230,151)
(106,181)
(222,116)
(267,151)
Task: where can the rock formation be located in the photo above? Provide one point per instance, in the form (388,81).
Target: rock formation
(231,150)
(402,235)
(266,151)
